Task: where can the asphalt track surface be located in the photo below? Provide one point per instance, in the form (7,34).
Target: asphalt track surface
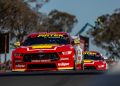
(59,78)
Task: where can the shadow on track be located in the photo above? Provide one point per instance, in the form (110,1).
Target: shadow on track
(45,73)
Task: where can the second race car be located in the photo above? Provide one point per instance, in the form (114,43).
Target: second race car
(94,60)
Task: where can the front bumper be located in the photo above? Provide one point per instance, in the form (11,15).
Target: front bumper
(45,66)
(94,67)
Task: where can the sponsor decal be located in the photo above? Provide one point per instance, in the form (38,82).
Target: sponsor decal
(40,51)
(62,68)
(88,61)
(18,69)
(101,66)
(63,64)
(43,46)
(50,35)
(64,59)
(90,53)
(20,65)
(40,60)
(45,60)
(79,58)
(35,60)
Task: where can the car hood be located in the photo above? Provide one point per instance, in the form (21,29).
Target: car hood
(93,61)
(44,48)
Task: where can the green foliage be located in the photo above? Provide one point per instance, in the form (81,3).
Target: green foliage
(107,33)
(17,18)
(61,21)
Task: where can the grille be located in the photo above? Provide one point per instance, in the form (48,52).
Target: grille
(40,56)
(41,66)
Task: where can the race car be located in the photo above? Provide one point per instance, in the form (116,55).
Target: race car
(44,51)
(94,61)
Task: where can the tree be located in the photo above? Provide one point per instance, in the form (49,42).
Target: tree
(17,18)
(107,33)
(38,4)
(61,21)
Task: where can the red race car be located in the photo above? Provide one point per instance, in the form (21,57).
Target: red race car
(44,51)
(94,60)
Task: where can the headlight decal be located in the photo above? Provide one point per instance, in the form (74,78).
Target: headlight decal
(67,52)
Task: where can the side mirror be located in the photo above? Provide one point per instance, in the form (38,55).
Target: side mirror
(72,42)
(102,59)
(17,44)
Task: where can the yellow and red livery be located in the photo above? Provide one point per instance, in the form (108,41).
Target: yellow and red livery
(44,51)
(94,60)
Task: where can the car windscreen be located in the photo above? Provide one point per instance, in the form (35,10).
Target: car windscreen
(46,39)
(92,57)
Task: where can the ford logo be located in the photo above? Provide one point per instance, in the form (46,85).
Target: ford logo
(41,51)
